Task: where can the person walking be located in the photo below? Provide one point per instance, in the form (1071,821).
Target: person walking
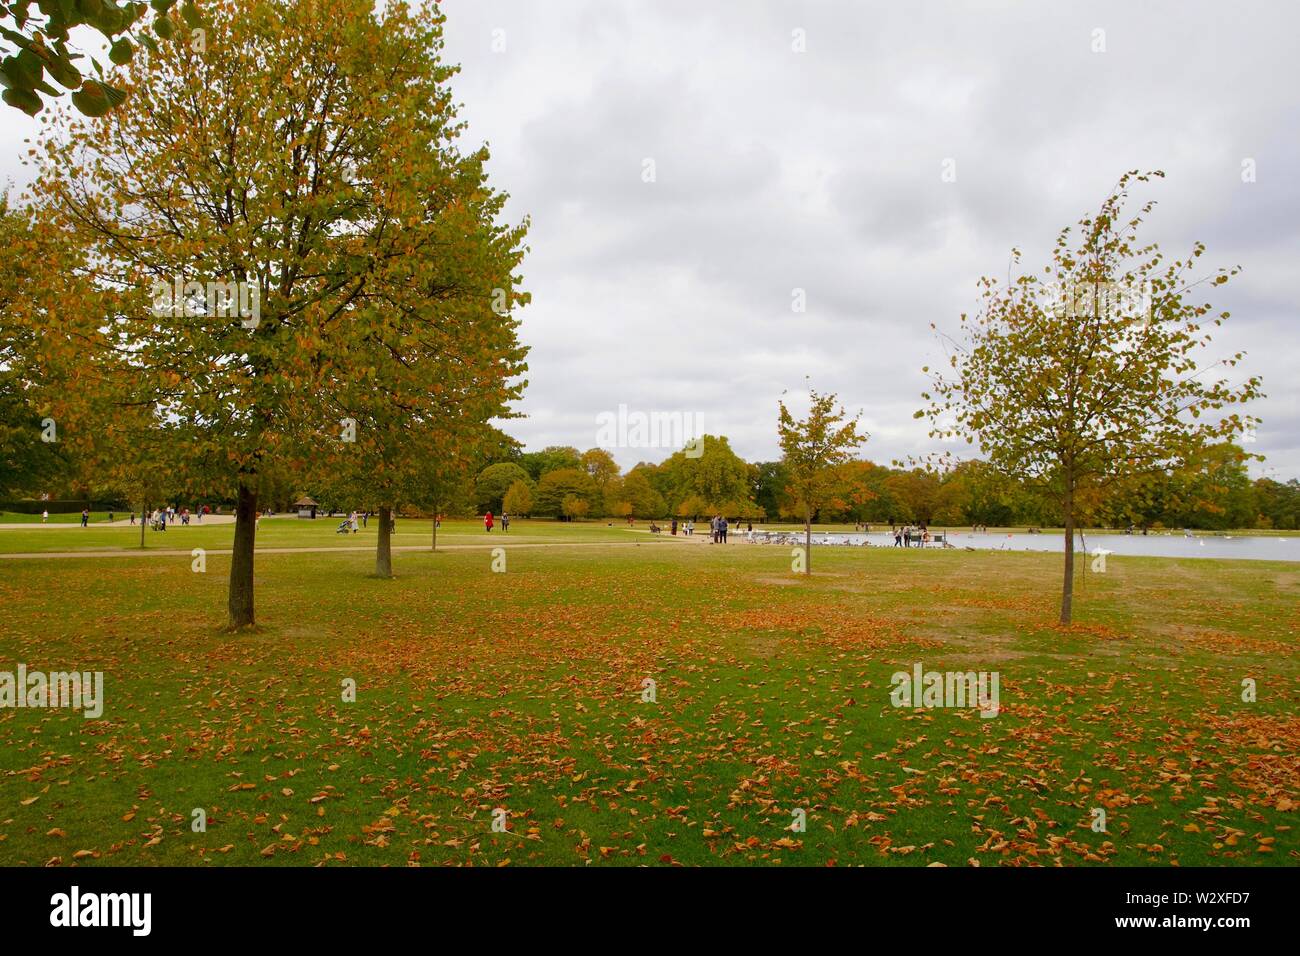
(505,522)
(85,517)
(45,516)
(673,526)
(487,522)
(898,537)
(722,528)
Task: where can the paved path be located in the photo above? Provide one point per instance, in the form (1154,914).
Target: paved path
(120,523)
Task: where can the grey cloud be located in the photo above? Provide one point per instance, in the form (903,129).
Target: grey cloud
(821,171)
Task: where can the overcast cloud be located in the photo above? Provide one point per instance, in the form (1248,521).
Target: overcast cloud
(821,170)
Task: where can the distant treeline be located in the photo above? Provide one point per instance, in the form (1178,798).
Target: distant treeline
(562,482)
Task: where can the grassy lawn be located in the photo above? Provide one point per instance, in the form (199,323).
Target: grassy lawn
(16,517)
(284,532)
(522,690)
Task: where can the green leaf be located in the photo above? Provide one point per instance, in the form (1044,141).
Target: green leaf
(121,52)
(64,73)
(31,67)
(25,100)
(96,98)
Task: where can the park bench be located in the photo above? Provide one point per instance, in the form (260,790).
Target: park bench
(936,537)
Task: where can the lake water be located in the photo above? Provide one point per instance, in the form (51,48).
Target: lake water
(1176,545)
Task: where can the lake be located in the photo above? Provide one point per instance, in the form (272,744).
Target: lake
(1163,545)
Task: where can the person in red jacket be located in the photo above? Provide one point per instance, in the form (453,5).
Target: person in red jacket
(487,521)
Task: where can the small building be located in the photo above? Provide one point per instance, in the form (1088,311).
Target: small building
(306,507)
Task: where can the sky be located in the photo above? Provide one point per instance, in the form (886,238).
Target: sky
(692,171)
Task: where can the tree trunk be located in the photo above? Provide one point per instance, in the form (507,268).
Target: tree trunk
(384,549)
(435,530)
(807,541)
(1067,592)
(241,559)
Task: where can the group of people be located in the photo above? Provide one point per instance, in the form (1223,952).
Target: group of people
(488,522)
(160,518)
(718,528)
(905,534)
(356,520)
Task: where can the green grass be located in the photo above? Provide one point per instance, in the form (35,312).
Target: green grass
(15,517)
(522,690)
(285,532)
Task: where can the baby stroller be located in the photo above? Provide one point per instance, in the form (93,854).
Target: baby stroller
(344,527)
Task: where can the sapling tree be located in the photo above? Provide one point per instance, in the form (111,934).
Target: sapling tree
(303,162)
(814,451)
(1091,373)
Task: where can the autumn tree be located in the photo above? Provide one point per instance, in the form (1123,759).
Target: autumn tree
(28,458)
(814,449)
(563,483)
(435,341)
(715,475)
(448,486)
(574,507)
(856,478)
(550,458)
(494,481)
(1092,372)
(518,499)
(302,159)
(57,417)
(634,496)
(600,464)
